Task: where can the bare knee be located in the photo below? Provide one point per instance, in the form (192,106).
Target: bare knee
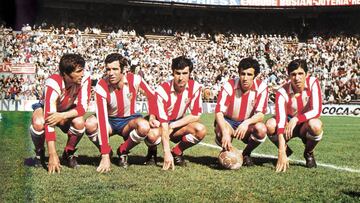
(200,131)
(315,126)
(38,123)
(271,126)
(78,123)
(143,127)
(260,130)
(153,136)
(91,125)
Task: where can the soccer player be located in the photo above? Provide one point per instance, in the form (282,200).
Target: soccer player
(174,98)
(65,101)
(115,96)
(298,108)
(240,110)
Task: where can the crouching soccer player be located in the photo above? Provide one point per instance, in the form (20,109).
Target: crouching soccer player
(240,109)
(298,108)
(115,96)
(174,98)
(65,102)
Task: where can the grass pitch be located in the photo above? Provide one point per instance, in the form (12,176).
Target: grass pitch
(200,181)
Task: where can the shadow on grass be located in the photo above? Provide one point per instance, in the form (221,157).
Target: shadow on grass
(353,194)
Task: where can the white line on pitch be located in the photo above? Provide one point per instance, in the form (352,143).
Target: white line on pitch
(293,160)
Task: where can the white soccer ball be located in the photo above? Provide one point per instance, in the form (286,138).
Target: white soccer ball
(231,159)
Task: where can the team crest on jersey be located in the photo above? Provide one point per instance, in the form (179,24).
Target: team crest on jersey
(187,101)
(129,95)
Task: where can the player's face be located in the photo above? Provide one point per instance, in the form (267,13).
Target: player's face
(297,78)
(113,71)
(77,75)
(181,78)
(246,78)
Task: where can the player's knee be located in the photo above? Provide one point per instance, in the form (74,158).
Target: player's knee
(143,128)
(315,126)
(78,123)
(270,126)
(260,129)
(38,124)
(152,139)
(91,125)
(200,131)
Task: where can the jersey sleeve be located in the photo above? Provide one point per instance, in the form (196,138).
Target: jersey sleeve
(222,100)
(83,97)
(262,99)
(161,101)
(316,104)
(196,102)
(51,96)
(280,109)
(101,95)
(150,94)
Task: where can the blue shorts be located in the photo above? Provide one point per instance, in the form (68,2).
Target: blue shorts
(234,124)
(117,124)
(37,105)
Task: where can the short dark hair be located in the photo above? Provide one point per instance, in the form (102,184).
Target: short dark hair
(117,57)
(69,62)
(295,64)
(181,62)
(247,63)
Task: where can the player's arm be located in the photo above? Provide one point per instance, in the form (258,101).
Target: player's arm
(162,116)
(220,110)
(225,137)
(165,139)
(260,110)
(184,121)
(282,163)
(50,99)
(316,104)
(102,114)
(244,126)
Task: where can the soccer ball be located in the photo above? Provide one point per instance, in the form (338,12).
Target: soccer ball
(231,159)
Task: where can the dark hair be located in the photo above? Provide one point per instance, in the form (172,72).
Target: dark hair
(117,57)
(69,62)
(181,62)
(247,63)
(295,64)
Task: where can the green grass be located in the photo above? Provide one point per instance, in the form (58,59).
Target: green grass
(200,181)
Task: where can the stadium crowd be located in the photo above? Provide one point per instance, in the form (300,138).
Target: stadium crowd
(334,60)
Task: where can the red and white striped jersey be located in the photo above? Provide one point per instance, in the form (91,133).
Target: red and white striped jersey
(305,105)
(172,106)
(118,102)
(239,106)
(61,99)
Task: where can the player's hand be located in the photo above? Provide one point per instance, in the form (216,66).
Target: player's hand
(289,128)
(54,164)
(168,161)
(282,163)
(105,164)
(226,142)
(54,118)
(154,123)
(241,130)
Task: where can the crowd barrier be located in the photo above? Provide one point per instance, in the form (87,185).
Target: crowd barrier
(142,107)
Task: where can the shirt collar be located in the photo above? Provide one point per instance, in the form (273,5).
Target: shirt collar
(173,88)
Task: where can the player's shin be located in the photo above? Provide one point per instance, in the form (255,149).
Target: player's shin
(274,139)
(38,138)
(151,157)
(74,137)
(94,139)
(186,142)
(133,140)
(312,141)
